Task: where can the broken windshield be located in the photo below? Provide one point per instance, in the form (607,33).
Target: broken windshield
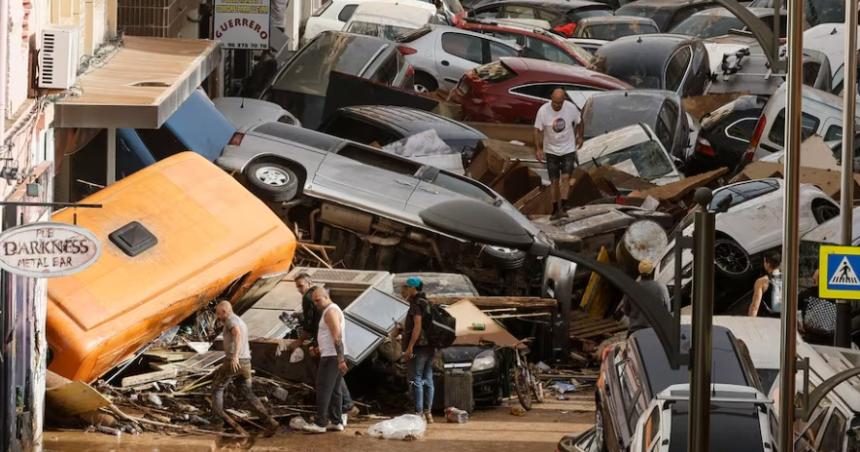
(646,159)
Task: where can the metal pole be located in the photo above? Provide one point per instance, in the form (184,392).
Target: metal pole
(703,317)
(842,338)
(790,248)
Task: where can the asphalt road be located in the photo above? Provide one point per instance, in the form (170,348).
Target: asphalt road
(488,431)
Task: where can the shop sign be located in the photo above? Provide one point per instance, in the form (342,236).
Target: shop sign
(242,24)
(46,250)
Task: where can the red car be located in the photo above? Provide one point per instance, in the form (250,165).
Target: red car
(512,90)
(535,42)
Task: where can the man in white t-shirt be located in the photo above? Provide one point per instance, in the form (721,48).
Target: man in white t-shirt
(556,137)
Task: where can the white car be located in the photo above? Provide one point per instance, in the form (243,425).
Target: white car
(633,149)
(387,21)
(751,225)
(334,14)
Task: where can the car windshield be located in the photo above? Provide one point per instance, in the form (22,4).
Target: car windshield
(640,71)
(584,56)
(734,426)
(708,26)
(611,32)
(646,159)
(389,32)
(308,72)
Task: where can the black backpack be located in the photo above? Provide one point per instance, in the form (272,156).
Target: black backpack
(440,327)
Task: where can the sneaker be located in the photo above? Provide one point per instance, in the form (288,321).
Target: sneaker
(343,419)
(428,417)
(313,428)
(334,427)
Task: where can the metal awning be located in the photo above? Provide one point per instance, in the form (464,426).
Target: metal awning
(141,85)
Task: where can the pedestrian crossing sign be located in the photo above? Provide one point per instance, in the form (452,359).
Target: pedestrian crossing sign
(838,275)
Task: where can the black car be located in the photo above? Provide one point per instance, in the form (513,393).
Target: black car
(386,124)
(635,376)
(302,83)
(657,61)
(815,11)
(562,15)
(662,111)
(725,135)
(665,13)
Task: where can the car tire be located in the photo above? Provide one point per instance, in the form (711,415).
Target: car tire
(731,258)
(272,181)
(504,258)
(823,211)
(425,83)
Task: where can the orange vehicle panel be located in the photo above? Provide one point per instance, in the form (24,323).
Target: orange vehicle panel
(211,233)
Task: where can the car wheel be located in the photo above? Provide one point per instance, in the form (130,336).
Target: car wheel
(823,211)
(731,258)
(505,258)
(424,83)
(272,181)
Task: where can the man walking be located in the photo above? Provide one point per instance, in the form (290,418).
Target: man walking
(556,141)
(310,325)
(417,351)
(331,338)
(236,364)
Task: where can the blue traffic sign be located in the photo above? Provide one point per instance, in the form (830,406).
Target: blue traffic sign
(838,272)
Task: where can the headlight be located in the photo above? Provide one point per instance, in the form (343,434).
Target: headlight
(485,360)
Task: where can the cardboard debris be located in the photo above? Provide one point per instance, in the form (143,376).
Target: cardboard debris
(468,314)
(71,398)
(827,180)
(699,106)
(501,302)
(680,190)
(522,133)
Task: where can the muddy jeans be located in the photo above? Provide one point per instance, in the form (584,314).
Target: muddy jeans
(224,375)
(420,371)
(329,395)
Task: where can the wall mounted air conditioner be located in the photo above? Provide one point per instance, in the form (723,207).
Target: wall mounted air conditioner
(58,58)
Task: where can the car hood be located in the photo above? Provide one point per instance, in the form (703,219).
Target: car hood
(462,353)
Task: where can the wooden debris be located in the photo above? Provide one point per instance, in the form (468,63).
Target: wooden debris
(595,300)
(150,377)
(75,397)
(485,303)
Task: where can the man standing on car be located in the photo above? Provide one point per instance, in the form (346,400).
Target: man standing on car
(417,351)
(236,364)
(310,325)
(331,339)
(556,138)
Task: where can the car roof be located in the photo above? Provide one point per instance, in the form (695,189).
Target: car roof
(733,426)
(549,4)
(720,11)
(413,120)
(401,12)
(436,29)
(553,71)
(668,4)
(307,137)
(726,365)
(614,20)
(657,46)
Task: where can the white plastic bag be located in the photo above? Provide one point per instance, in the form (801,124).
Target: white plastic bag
(297,356)
(408,427)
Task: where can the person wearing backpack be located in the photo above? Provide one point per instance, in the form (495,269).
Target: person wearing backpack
(417,350)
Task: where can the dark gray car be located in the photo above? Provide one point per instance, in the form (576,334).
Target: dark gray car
(657,61)
(661,110)
(665,13)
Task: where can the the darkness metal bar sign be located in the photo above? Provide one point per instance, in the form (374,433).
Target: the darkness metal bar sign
(46,250)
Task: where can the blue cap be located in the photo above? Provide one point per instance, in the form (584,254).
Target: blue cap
(413,281)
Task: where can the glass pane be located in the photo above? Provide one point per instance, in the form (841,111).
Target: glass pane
(378,310)
(499,50)
(742,130)
(809,124)
(379,159)
(463,46)
(834,433)
(833,133)
(677,68)
(346,13)
(362,341)
(519,12)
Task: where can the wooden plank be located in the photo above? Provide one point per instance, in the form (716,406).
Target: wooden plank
(500,302)
(595,300)
(168,356)
(136,380)
(75,397)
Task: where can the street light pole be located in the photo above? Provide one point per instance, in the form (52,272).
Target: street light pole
(842,338)
(703,318)
(790,231)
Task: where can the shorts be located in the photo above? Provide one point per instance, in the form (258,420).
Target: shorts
(558,164)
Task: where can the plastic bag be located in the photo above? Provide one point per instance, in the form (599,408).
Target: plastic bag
(297,356)
(406,427)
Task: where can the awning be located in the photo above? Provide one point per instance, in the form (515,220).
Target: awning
(141,85)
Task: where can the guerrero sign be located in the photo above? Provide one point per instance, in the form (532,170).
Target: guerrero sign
(242,24)
(837,272)
(45,250)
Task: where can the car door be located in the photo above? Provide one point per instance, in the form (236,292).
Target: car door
(436,186)
(457,53)
(366,178)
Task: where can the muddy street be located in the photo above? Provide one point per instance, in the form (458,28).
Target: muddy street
(487,431)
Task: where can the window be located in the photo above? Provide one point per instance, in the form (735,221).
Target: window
(463,46)
(287,119)
(498,50)
(513,38)
(646,160)
(356,130)
(519,12)
(708,26)
(543,50)
(552,17)
(666,121)
(834,433)
(809,125)
(611,32)
(742,129)
(379,159)
(651,430)
(489,13)
(744,192)
(388,70)
(542,91)
(833,133)
(464,187)
(677,68)
(806,441)
(346,13)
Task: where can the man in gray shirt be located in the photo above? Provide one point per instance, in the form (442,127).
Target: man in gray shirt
(635,319)
(236,364)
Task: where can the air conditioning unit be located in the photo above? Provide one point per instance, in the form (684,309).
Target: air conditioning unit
(58,59)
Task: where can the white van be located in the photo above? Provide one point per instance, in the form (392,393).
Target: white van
(334,14)
(386,20)
(822,116)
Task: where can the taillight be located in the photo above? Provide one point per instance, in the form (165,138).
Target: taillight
(410,71)
(756,138)
(566,29)
(236,139)
(704,147)
(406,50)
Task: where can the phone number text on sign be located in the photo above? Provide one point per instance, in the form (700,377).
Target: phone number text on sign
(242,24)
